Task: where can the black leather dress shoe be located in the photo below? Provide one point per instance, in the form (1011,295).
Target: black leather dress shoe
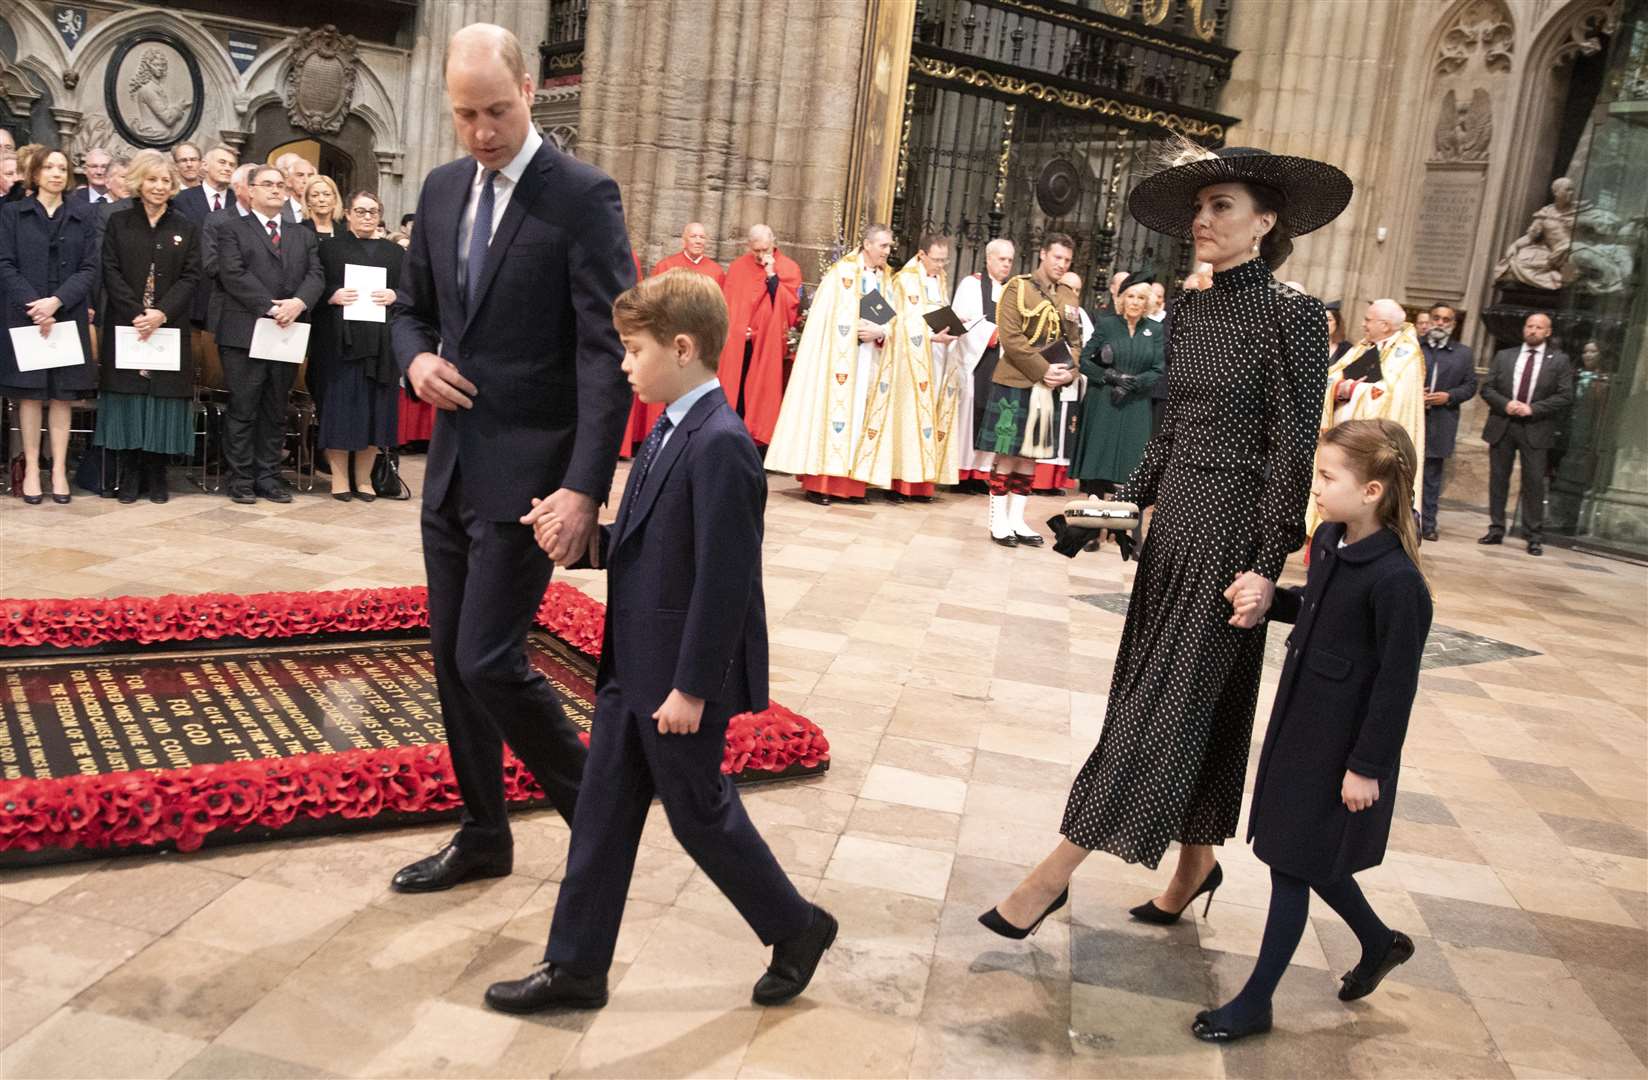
(1005,541)
(818,498)
(1030,539)
(795,960)
(1535,548)
(273,490)
(451,866)
(1430,536)
(1207,1029)
(548,987)
(1357,983)
(1493,538)
(243,496)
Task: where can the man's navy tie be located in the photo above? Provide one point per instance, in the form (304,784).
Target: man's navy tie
(480,236)
(650,448)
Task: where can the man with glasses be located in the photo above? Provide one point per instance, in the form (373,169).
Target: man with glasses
(1450,381)
(266,268)
(186,156)
(96,167)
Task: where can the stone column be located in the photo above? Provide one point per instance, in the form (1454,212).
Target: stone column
(1303,85)
(725,112)
(425,118)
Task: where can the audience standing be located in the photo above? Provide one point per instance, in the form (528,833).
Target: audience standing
(1450,381)
(352,372)
(151,267)
(265,268)
(48,268)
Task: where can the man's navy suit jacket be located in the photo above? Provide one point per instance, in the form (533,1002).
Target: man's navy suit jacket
(536,340)
(685,607)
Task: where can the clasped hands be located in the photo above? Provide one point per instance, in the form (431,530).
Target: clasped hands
(1518,408)
(1250,596)
(43,313)
(563,524)
(285,312)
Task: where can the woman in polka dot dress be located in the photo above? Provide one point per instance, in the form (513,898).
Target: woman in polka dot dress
(1229,474)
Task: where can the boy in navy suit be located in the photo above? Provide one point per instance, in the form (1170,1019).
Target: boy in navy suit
(684,651)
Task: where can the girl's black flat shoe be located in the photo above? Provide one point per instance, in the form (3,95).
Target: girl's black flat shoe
(1358,984)
(342,496)
(1150,913)
(1207,1029)
(992,920)
(34,500)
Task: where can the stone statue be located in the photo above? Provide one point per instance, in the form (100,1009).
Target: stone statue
(1463,131)
(154,116)
(1538,258)
(1600,258)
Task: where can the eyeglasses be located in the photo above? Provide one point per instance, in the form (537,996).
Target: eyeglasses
(364,211)
(267,183)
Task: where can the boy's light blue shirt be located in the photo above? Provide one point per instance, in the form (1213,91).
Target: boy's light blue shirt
(678,409)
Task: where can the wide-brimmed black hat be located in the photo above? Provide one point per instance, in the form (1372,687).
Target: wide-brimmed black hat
(1314,192)
(1141,277)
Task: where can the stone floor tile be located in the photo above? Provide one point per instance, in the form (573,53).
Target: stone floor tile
(1114,1033)
(898,867)
(72,1043)
(829,1041)
(184,987)
(149,894)
(36,885)
(260,918)
(888,783)
(1566,1042)
(216,1062)
(904,825)
(55,953)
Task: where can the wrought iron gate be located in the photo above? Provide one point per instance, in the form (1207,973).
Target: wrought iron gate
(1025,117)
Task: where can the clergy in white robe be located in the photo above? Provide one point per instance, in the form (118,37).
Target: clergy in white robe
(976,353)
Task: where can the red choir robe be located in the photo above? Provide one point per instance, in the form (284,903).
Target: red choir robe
(762,324)
(641,415)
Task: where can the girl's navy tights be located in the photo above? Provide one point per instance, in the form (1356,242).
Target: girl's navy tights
(1289,908)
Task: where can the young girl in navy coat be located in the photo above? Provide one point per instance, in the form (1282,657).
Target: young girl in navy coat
(1327,776)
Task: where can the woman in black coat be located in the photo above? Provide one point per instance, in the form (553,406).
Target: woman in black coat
(48,270)
(354,378)
(151,268)
(1327,777)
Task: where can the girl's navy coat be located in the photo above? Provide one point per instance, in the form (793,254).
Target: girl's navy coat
(1343,701)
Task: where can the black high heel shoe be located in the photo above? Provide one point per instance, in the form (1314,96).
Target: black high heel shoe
(1207,1029)
(992,920)
(1150,913)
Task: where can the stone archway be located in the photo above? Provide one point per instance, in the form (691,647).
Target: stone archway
(352,147)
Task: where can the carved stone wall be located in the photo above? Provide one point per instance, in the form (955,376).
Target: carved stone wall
(725,112)
(1444,114)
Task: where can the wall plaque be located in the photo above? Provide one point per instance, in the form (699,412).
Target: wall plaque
(153,90)
(1450,212)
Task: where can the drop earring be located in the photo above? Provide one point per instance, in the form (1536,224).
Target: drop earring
(1255,245)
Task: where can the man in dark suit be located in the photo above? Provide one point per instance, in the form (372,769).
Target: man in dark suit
(1528,390)
(504,325)
(214,192)
(683,652)
(1450,381)
(96,189)
(208,299)
(265,269)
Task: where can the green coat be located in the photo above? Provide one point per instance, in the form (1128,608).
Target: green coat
(1112,437)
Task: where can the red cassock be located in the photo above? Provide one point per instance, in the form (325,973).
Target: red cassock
(641,415)
(763,323)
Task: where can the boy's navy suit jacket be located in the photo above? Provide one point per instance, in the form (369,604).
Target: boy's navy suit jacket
(685,610)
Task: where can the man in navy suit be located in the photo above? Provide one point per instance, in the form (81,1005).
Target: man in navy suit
(683,652)
(1528,391)
(266,269)
(504,324)
(1450,381)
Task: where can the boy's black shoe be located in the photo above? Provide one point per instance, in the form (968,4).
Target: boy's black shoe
(451,866)
(795,960)
(548,987)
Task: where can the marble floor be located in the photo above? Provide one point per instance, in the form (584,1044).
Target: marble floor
(961,685)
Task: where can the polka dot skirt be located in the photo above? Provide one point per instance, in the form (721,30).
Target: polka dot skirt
(1229,474)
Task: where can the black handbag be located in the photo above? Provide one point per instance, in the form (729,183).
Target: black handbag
(386,476)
